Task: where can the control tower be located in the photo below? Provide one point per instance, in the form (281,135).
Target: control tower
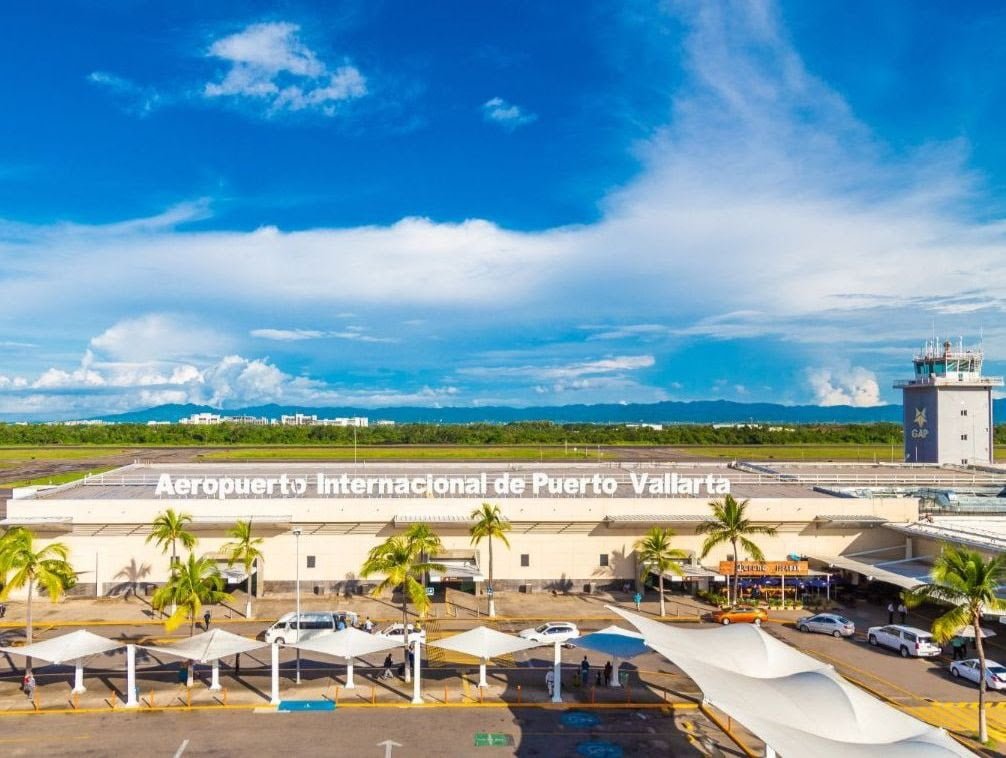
(948,406)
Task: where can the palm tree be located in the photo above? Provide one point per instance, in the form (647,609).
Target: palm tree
(654,553)
(730,524)
(966,581)
(398,559)
(195,583)
(489,523)
(21,564)
(168,529)
(245,550)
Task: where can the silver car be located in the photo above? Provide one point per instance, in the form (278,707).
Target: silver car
(995,674)
(827,623)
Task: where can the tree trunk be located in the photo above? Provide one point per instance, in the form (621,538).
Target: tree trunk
(27,623)
(171,574)
(405,636)
(248,603)
(736,574)
(983,729)
(492,596)
(660,581)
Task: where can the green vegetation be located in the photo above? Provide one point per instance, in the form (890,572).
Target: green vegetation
(192,585)
(168,529)
(849,452)
(246,550)
(58,453)
(730,524)
(63,478)
(22,565)
(968,582)
(489,523)
(654,553)
(402,452)
(401,560)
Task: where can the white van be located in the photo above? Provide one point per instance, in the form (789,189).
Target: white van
(313,624)
(907,640)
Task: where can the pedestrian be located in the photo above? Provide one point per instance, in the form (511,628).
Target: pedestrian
(607,674)
(550,681)
(957,645)
(388,665)
(341,625)
(29,685)
(411,657)
(890,612)
(3,610)
(626,587)
(206,621)
(585,670)
(368,626)
(637,599)
(237,664)
(903,612)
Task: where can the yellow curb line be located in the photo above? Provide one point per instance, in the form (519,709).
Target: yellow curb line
(723,727)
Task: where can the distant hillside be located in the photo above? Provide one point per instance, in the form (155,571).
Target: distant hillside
(696,412)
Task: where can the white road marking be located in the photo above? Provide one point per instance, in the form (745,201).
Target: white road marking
(181,749)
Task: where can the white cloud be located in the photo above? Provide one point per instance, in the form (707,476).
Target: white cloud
(269,63)
(508,115)
(137,99)
(287,335)
(856,386)
(565,372)
(158,337)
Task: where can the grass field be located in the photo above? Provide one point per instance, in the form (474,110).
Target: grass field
(405,453)
(862,453)
(55,478)
(58,453)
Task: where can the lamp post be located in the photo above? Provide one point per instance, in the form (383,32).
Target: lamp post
(296,534)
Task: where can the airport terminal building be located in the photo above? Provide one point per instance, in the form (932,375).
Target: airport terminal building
(574,525)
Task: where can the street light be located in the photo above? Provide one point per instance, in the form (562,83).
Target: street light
(296,534)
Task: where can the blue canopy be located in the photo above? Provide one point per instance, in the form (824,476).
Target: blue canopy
(613,641)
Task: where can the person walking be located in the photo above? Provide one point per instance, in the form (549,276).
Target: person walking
(903,612)
(890,612)
(368,626)
(550,681)
(206,621)
(637,599)
(3,610)
(607,674)
(585,671)
(388,666)
(29,685)
(958,645)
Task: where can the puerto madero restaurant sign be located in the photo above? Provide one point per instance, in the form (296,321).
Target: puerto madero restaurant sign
(766,568)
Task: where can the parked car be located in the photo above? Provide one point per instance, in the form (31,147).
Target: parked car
(907,640)
(311,624)
(995,673)
(827,623)
(553,631)
(397,630)
(741,614)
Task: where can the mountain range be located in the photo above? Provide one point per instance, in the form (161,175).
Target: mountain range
(671,412)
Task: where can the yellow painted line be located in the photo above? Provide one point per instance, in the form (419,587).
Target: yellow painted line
(724,728)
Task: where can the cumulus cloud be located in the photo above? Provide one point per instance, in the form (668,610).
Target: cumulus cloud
(352,333)
(269,63)
(856,386)
(510,116)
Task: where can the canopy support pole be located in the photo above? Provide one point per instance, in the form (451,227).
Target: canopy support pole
(557,674)
(131,701)
(417,697)
(482,673)
(769,752)
(215,676)
(349,674)
(274,700)
(78,678)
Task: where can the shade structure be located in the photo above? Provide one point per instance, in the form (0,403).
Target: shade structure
(794,703)
(620,644)
(348,643)
(66,647)
(74,646)
(484,643)
(969,632)
(209,647)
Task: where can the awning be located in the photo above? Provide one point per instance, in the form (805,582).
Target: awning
(67,647)
(613,641)
(853,520)
(348,643)
(258,522)
(635,519)
(208,646)
(461,571)
(690,572)
(461,519)
(484,643)
(904,573)
(779,694)
(39,523)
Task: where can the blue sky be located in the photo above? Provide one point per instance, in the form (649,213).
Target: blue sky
(462,203)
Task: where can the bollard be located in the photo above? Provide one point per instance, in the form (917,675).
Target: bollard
(76,701)
(373,694)
(225,696)
(188,697)
(34,699)
(445,694)
(337,694)
(111,700)
(518,694)
(151,697)
(481,690)
(665,694)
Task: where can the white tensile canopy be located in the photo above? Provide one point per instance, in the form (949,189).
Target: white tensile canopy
(484,643)
(620,644)
(794,703)
(209,647)
(348,643)
(74,646)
